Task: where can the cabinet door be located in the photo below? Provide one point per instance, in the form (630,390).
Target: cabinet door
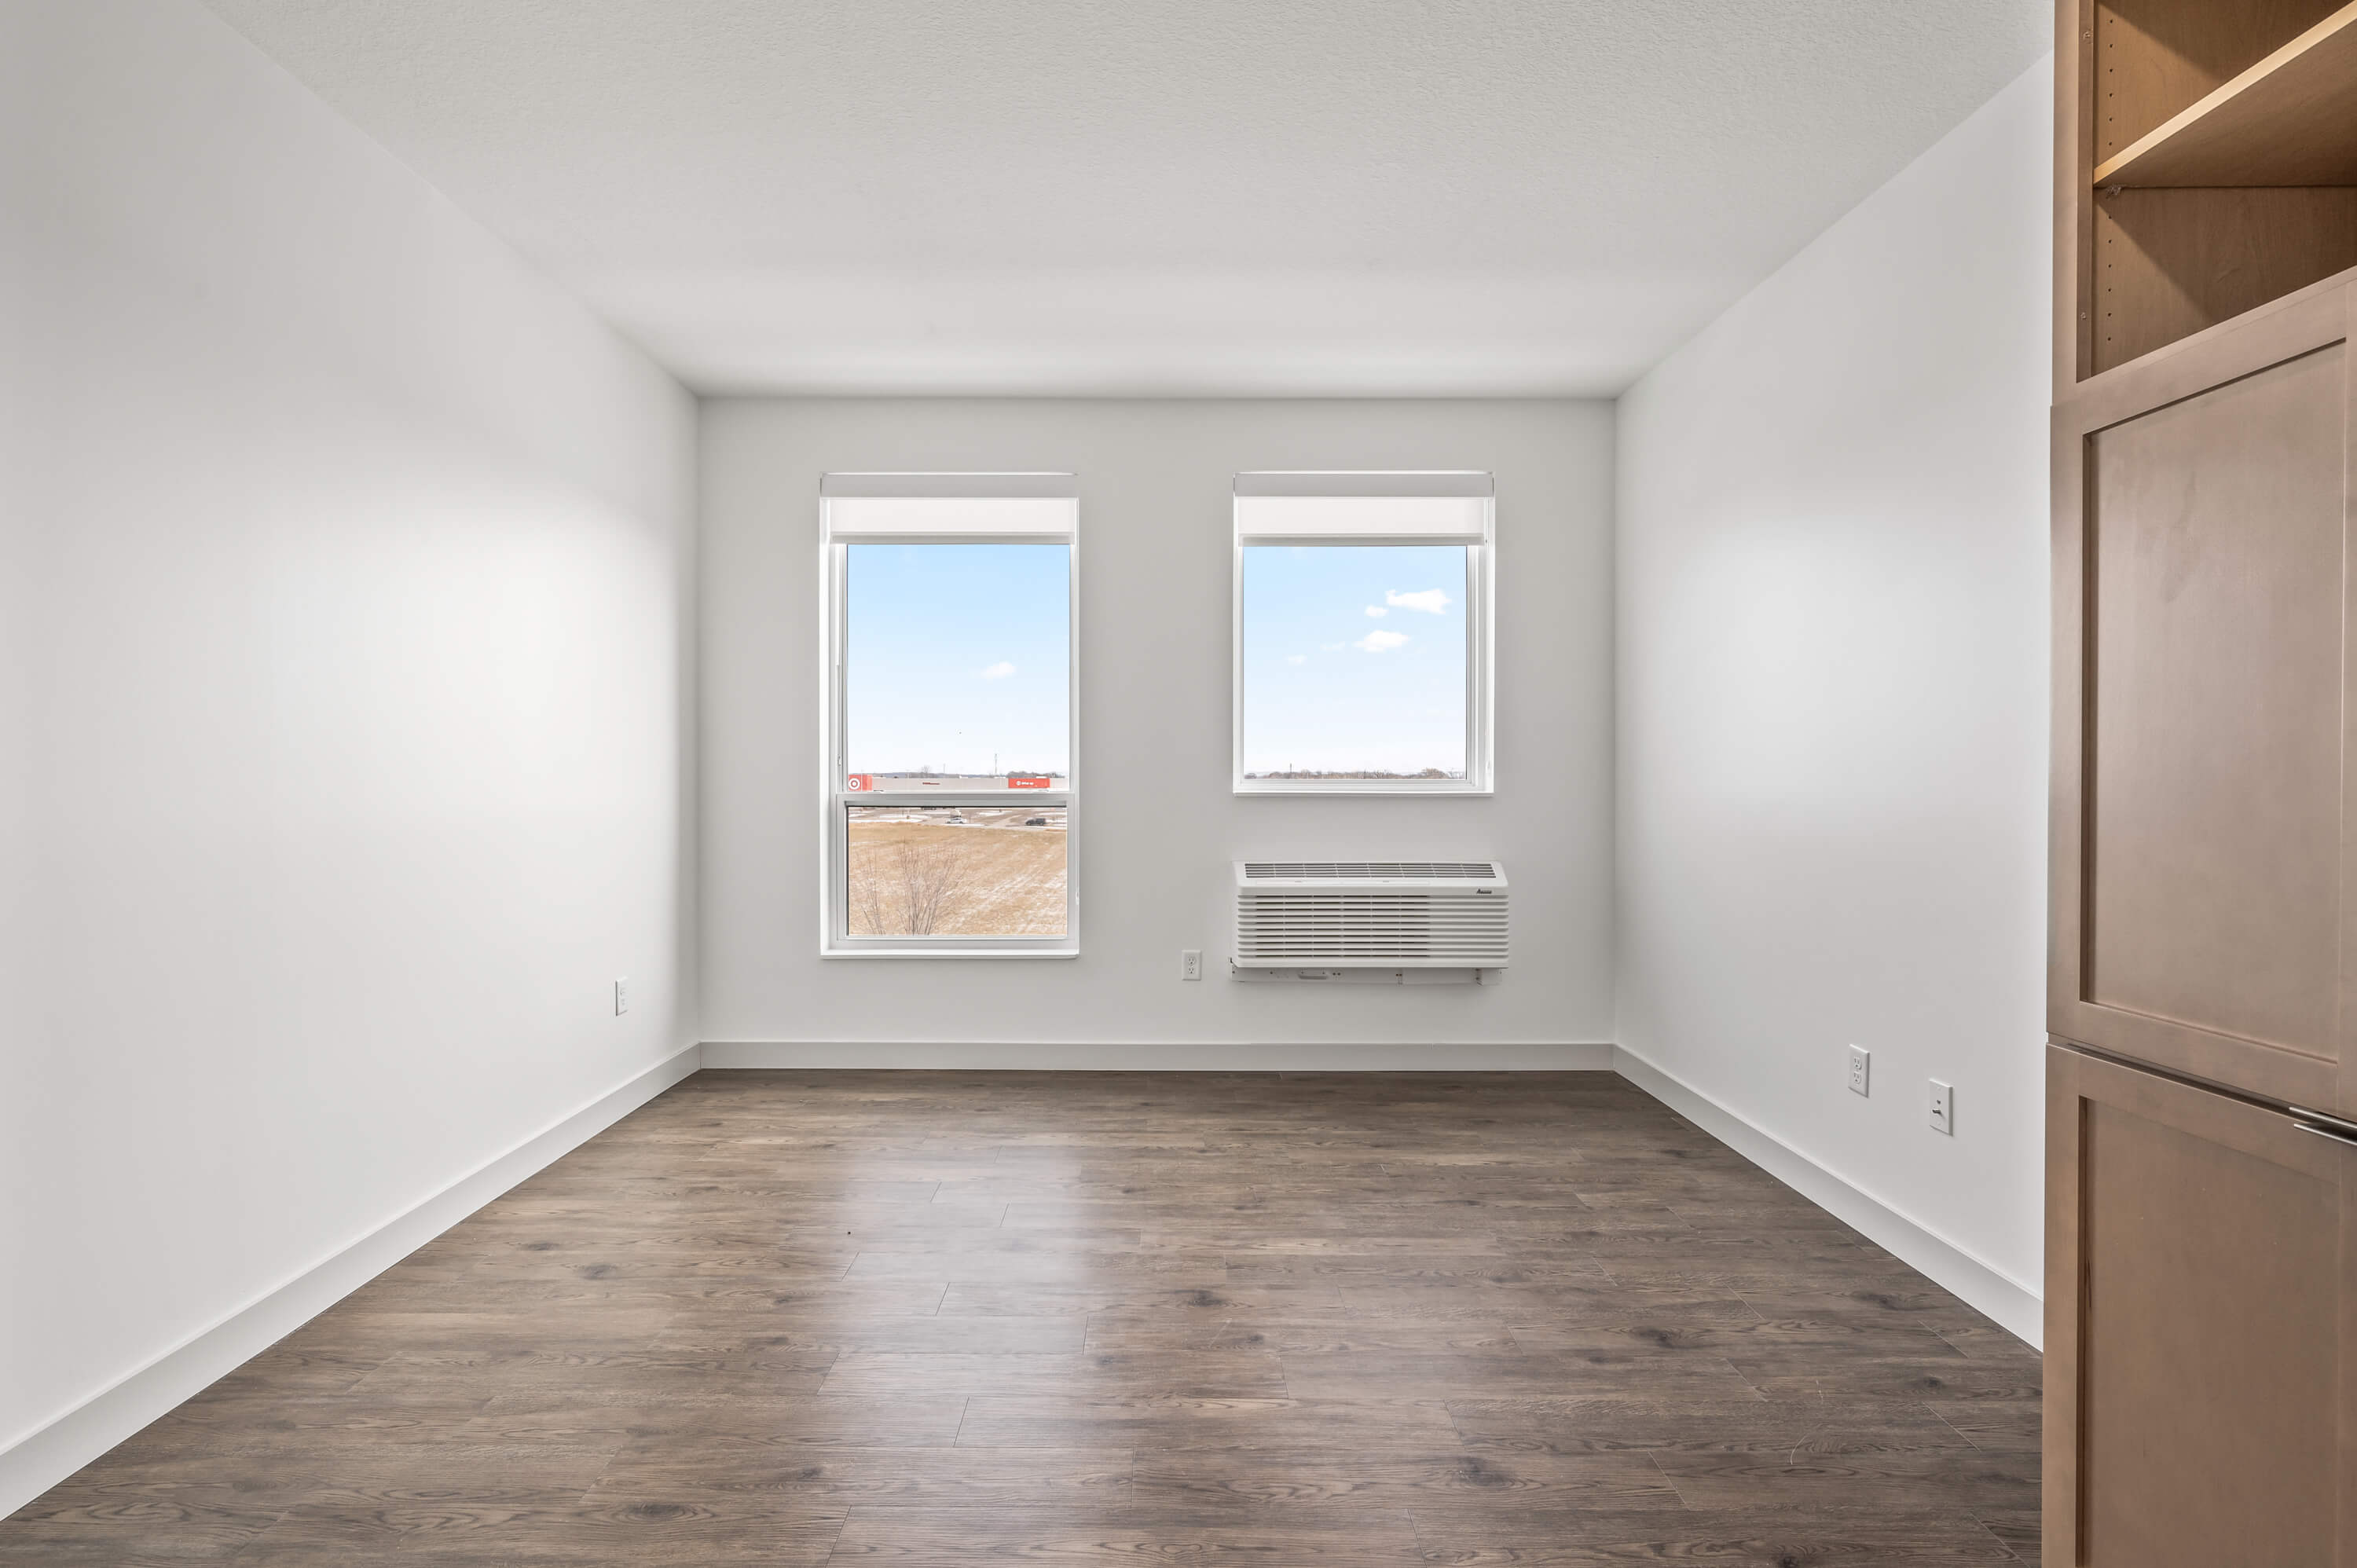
(2203,810)
(2199,1341)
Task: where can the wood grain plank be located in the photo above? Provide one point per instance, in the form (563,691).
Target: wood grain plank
(957,1317)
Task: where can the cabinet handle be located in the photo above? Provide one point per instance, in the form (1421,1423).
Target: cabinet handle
(2338,1123)
(2348,1140)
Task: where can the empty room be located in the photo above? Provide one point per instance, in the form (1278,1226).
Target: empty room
(787,782)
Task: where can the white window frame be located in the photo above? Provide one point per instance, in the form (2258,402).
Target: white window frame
(1474,527)
(1007,512)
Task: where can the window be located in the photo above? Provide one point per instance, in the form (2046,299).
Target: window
(1362,633)
(948,802)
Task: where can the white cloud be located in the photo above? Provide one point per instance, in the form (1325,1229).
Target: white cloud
(1431,601)
(1377,610)
(1381,641)
(999,671)
(1332,646)
(1297,659)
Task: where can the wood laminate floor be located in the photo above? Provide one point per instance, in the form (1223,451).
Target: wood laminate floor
(957,1318)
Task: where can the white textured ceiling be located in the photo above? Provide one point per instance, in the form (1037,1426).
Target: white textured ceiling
(1155,195)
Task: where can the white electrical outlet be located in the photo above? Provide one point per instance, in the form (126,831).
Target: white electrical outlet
(1943,1110)
(1859,1059)
(621,997)
(1190,963)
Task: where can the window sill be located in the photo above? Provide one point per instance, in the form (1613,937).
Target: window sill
(1396,790)
(825,951)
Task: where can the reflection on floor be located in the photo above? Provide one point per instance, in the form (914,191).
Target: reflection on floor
(954,1317)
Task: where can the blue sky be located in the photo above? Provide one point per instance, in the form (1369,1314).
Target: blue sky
(1354,658)
(955,653)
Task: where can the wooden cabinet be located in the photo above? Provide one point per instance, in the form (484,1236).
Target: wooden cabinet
(2207,165)
(2200,1341)
(2203,817)
(2202,1259)
(2203,825)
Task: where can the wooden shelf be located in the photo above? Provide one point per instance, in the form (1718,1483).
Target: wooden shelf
(2291,120)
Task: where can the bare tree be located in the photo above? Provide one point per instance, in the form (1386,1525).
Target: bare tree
(932,885)
(871,913)
(905,888)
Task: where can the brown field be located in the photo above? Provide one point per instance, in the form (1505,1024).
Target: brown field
(913,874)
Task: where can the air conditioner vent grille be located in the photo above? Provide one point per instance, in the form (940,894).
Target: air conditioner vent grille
(1464,930)
(1437,870)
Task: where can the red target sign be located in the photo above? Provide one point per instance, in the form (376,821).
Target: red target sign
(861,781)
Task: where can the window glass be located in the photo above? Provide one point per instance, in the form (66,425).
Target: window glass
(956,871)
(957,666)
(1355,661)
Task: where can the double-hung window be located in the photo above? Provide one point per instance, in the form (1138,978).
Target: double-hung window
(949,798)
(1362,633)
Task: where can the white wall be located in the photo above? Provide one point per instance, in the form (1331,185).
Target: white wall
(1160,825)
(341,716)
(1832,678)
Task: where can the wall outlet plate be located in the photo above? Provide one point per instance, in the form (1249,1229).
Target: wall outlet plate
(1944,1109)
(1860,1060)
(1190,963)
(621,997)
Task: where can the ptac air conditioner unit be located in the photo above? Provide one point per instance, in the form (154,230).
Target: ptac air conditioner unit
(1380,922)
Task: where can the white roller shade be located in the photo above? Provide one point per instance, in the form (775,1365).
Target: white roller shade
(1394,508)
(918,509)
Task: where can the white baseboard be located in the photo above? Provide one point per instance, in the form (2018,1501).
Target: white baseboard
(39,1459)
(1160,1056)
(2014,1305)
